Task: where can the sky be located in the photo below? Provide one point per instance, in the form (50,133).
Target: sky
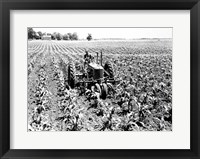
(104,33)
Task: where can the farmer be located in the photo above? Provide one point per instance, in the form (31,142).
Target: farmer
(87,58)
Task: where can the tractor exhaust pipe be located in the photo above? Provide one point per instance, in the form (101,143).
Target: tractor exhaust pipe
(97,57)
(101,58)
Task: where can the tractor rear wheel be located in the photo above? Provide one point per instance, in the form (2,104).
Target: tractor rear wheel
(71,75)
(104,91)
(108,68)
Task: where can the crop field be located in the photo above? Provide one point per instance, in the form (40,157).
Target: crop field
(141,100)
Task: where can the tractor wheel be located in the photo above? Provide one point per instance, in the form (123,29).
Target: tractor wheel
(104,91)
(108,67)
(96,88)
(71,75)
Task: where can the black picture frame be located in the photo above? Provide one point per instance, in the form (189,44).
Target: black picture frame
(7,5)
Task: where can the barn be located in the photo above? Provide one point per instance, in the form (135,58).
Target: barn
(46,37)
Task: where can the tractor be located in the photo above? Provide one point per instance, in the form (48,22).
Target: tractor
(92,75)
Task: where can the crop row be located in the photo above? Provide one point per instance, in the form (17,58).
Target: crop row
(141,101)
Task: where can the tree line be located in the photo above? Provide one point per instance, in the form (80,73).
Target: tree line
(55,36)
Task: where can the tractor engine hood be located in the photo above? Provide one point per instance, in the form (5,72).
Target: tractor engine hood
(95,66)
(98,70)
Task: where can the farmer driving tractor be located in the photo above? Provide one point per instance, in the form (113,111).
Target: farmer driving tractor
(87,58)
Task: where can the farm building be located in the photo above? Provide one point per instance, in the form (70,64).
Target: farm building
(46,37)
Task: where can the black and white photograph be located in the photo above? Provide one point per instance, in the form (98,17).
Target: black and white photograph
(99,79)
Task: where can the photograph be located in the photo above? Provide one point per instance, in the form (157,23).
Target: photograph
(99,79)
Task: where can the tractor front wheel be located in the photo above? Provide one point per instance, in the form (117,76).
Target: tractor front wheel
(96,88)
(104,91)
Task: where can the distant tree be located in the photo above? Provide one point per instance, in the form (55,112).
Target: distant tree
(53,36)
(59,36)
(74,36)
(48,33)
(65,37)
(89,37)
(36,36)
(31,33)
(69,35)
(40,34)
